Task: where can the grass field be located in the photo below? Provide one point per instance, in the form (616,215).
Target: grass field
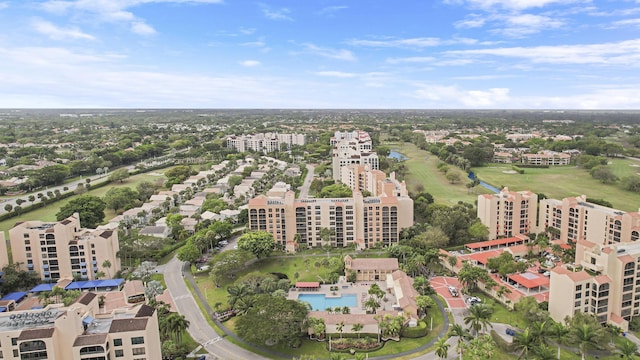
(48,213)
(564,181)
(423,172)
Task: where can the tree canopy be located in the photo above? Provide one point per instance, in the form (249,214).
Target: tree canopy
(89,207)
(273,320)
(260,243)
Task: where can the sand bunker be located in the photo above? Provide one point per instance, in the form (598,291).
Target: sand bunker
(509,172)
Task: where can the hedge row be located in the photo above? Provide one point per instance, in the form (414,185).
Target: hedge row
(415,332)
(534,166)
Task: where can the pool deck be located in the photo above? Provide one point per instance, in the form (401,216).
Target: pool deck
(360,289)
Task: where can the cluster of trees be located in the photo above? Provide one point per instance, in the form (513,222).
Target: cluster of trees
(459,222)
(172,326)
(14,278)
(203,239)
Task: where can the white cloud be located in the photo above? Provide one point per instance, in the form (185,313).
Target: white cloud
(4,5)
(332,10)
(336,74)
(624,53)
(411,60)
(250,63)
(470,23)
(280,14)
(512,4)
(493,97)
(339,54)
(57,33)
(247,31)
(141,28)
(626,23)
(526,24)
(112,11)
(398,43)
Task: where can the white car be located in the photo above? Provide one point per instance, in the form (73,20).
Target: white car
(453,291)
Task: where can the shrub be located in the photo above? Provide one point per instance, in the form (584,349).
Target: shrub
(415,332)
(520,171)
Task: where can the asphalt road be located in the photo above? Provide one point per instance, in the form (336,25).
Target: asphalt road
(304,190)
(199,328)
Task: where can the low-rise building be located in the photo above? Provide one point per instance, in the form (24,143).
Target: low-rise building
(370,269)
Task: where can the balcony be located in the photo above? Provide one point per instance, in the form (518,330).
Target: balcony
(593,267)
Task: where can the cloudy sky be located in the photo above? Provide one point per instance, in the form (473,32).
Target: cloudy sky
(582,54)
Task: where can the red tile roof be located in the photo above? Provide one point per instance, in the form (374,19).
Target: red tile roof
(308,284)
(496,242)
(530,280)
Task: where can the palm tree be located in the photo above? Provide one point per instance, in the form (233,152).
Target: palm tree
(340,327)
(236,292)
(478,317)
(539,330)
(442,347)
(544,352)
(461,333)
(626,349)
(502,290)
(357,327)
(586,336)
(524,342)
(372,304)
(180,324)
(557,331)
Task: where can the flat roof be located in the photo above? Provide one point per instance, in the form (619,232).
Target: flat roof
(308,284)
(530,280)
(495,242)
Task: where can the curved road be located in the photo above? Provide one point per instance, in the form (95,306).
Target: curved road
(199,328)
(304,190)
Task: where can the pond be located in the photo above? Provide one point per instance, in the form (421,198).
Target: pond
(396,155)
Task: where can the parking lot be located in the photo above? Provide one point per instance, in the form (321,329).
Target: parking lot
(441,285)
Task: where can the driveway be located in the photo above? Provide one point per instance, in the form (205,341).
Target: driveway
(441,285)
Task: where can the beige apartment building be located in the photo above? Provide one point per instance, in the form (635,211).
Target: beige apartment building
(352,148)
(573,219)
(508,213)
(547,158)
(611,291)
(80,332)
(363,221)
(64,250)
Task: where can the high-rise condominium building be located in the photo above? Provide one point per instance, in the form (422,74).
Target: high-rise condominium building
(80,332)
(64,250)
(574,218)
(266,142)
(610,289)
(508,213)
(352,148)
(363,221)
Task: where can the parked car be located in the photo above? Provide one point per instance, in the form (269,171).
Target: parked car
(453,291)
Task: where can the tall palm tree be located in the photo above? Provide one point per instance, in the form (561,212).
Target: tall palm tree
(557,332)
(524,342)
(586,336)
(372,304)
(357,327)
(442,347)
(340,328)
(478,318)
(626,349)
(180,324)
(539,330)
(461,333)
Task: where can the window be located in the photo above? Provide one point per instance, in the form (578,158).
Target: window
(119,353)
(137,340)
(138,351)
(117,342)
(14,341)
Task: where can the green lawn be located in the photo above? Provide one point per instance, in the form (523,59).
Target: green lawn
(501,314)
(563,181)
(424,173)
(48,213)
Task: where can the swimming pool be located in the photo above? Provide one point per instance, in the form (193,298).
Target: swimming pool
(320,302)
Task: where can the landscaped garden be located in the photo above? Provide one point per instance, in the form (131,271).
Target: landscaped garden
(233,292)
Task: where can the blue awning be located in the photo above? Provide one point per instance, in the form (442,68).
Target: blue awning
(94,262)
(29,266)
(42,287)
(88,320)
(15,296)
(45,266)
(84,271)
(3,309)
(45,273)
(36,307)
(83,264)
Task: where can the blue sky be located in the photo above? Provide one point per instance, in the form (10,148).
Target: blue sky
(517,54)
